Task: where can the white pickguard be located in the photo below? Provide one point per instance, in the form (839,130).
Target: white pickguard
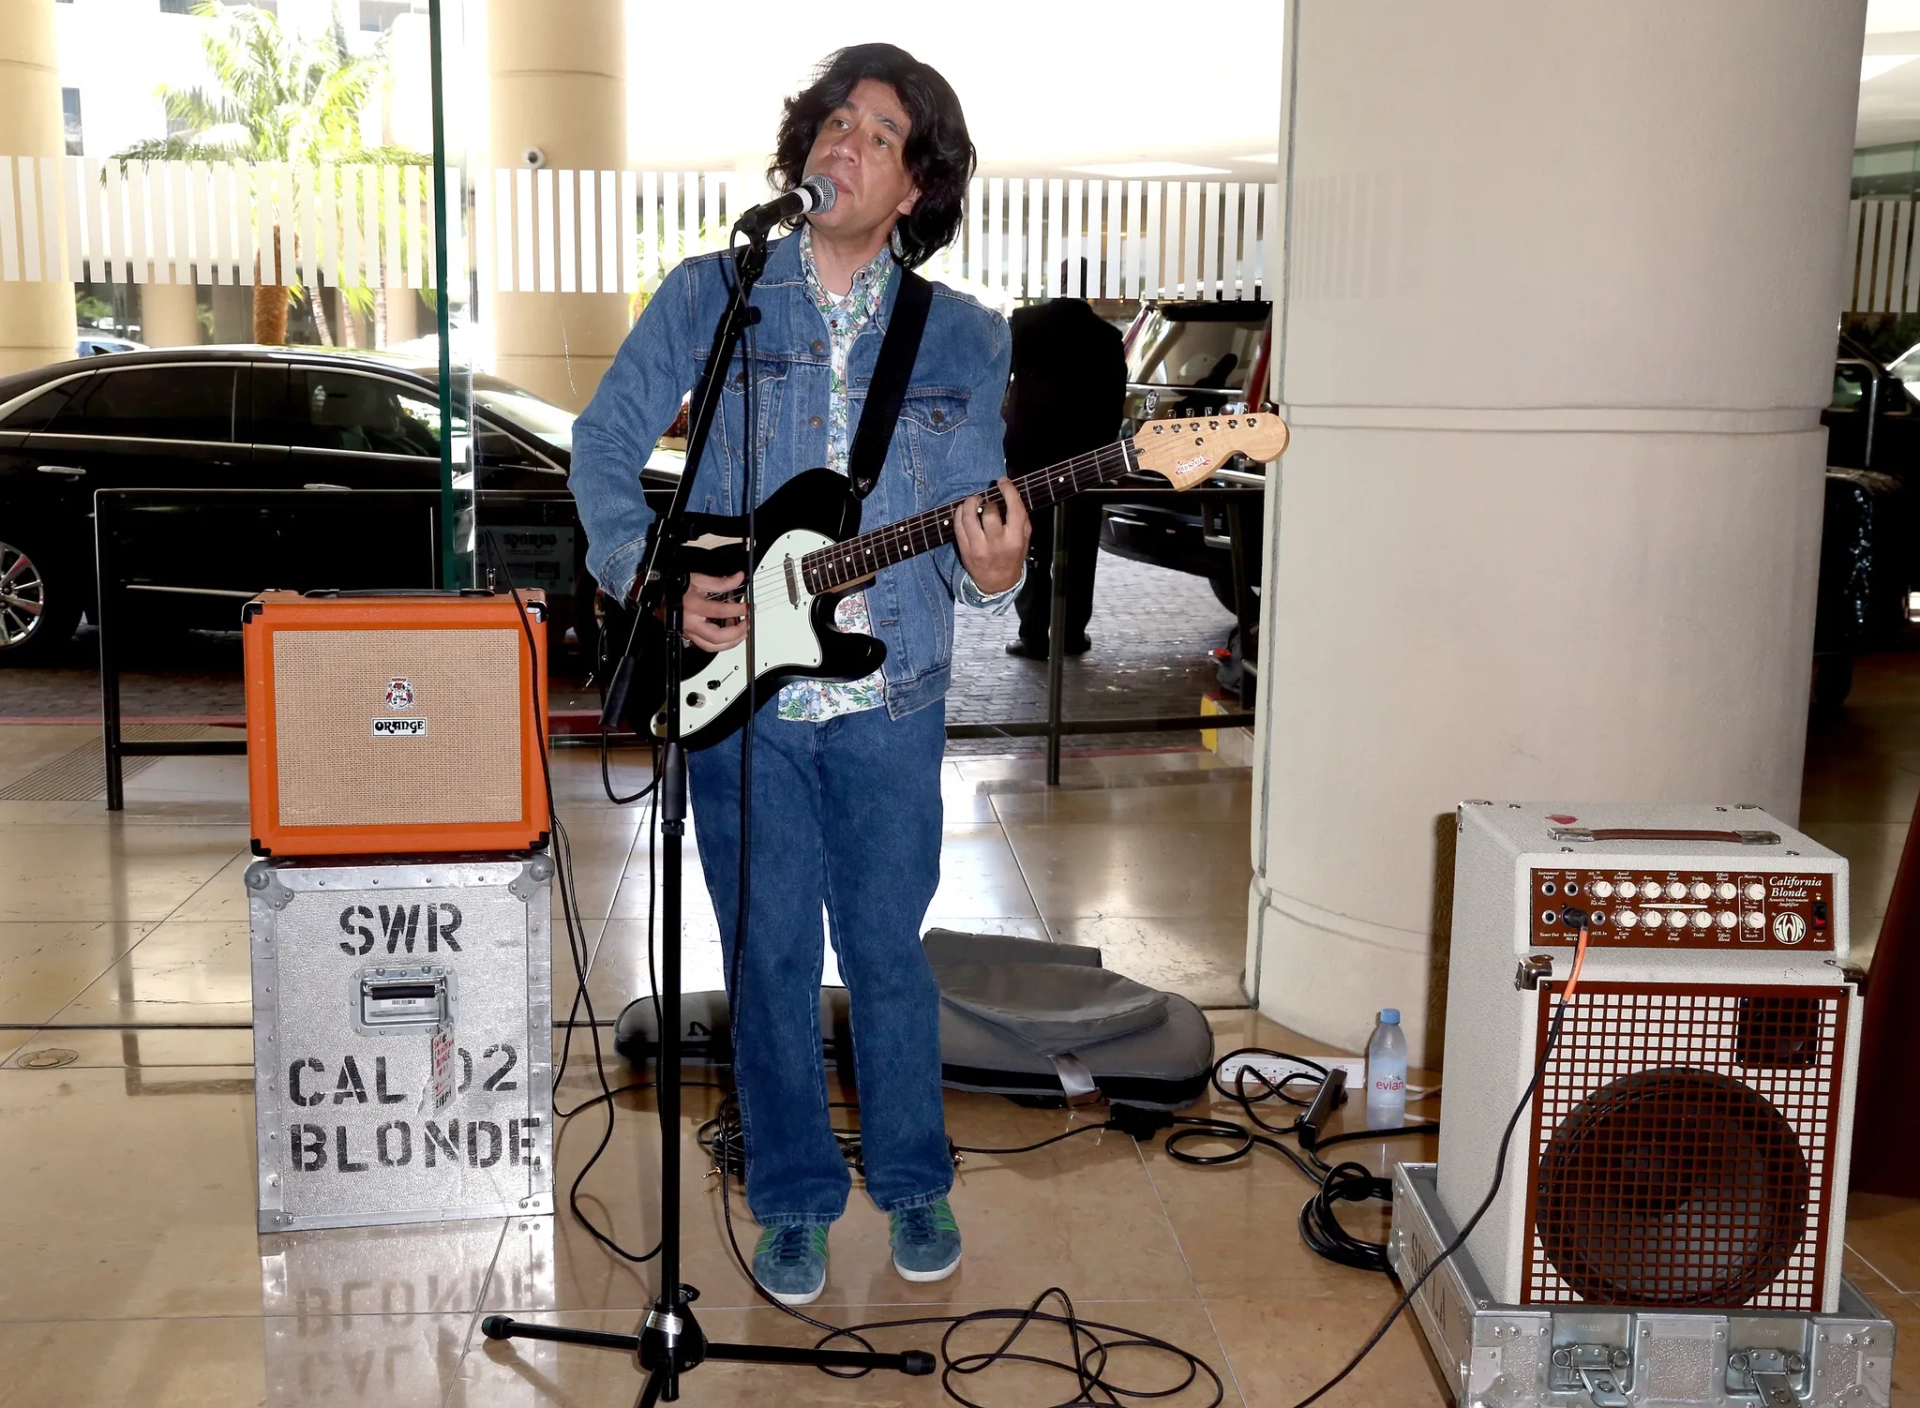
(782,636)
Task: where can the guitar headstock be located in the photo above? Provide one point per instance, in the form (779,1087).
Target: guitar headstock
(1191,448)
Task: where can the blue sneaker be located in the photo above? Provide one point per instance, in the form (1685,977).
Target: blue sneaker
(926,1242)
(791,1262)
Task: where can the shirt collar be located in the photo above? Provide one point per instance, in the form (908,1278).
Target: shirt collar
(869,279)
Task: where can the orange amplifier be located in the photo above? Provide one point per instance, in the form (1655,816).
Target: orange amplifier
(380,724)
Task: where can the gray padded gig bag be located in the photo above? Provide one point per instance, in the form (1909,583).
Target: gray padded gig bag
(1033,1019)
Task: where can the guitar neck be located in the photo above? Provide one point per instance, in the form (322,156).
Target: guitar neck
(834,568)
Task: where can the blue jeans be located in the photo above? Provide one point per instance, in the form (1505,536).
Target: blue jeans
(846,815)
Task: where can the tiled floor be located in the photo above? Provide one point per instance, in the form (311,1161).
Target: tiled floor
(130,1271)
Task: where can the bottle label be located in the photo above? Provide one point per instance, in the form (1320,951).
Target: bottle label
(1390,1084)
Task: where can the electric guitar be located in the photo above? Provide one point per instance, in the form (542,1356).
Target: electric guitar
(810,553)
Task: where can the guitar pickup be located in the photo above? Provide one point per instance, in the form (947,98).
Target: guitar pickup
(793,581)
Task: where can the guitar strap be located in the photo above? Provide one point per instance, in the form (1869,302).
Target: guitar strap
(889,385)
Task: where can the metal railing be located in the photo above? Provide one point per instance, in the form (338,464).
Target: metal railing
(1238,500)
(240,542)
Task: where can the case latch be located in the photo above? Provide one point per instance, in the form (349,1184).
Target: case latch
(1594,1368)
(1767,1372)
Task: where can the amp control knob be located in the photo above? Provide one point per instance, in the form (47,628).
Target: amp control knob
(1677,890)
(1626,919)
(1756,891)
(1755,919)
(1701,919)
(1628,889)
(1727,890)
(1654,919)
(1601,889)
(1702,890)
(1727,919)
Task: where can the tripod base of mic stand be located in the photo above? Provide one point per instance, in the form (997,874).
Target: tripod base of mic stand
(670,1343)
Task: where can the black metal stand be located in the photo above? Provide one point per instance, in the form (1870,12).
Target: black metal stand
(670,1342)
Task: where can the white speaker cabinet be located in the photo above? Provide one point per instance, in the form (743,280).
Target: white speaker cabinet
(1687,1148)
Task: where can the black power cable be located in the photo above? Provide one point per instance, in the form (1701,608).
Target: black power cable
(1346,1182)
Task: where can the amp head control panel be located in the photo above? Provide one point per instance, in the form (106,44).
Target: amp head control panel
(1686,908)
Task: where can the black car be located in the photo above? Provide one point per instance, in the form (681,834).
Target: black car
(1185,359)
(262,418)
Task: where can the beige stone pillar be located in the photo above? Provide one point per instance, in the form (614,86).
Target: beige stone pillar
(558,84)
(36,319)
(1558,318)
(169,316)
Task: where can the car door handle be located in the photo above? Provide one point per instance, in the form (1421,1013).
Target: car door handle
(69,470)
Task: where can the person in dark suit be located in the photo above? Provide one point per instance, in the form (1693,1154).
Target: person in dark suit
(1065,399)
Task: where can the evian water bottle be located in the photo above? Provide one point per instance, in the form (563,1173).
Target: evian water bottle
(1387,1073)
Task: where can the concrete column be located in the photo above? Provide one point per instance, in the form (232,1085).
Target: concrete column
(36,319)
(558,83)
(1558,316)
(169,315)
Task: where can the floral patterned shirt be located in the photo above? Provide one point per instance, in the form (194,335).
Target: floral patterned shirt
(813,701)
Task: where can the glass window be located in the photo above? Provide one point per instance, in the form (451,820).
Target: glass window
(38,413)
(70,112)
(341,410)
(187,402)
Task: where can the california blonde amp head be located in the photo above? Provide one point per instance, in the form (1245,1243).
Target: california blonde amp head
(395,724)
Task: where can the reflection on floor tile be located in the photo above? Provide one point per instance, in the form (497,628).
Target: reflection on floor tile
(136,1193)
(189,970)
(172,1363)
(45,965)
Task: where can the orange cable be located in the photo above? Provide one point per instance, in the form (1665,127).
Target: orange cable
(1579,960)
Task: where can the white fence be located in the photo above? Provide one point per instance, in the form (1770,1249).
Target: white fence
(1884,267)
(88,220)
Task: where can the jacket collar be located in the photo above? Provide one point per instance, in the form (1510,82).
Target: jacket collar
(783,268)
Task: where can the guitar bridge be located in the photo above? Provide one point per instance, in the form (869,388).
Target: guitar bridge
(793,582)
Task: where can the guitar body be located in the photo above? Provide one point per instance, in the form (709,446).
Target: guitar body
(793,636)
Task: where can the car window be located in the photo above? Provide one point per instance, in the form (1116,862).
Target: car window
(1207,351)
(188,402)
(1849,386)
(38,413)
(342,410)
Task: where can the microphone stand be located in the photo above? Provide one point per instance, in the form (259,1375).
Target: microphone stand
(670,1342)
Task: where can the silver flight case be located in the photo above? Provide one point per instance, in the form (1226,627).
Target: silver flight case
(402,1039)
(1503,1356)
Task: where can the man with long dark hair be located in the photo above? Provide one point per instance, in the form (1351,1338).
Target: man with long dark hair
(845,782)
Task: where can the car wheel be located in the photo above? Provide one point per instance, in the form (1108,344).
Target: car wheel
(38,613)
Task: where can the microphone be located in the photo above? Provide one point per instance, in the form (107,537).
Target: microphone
(814,193)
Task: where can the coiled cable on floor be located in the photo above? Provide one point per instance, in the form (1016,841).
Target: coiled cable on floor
(1346,1182)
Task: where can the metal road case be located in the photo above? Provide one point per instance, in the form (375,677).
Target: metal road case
(402,1039)
(1586,1356)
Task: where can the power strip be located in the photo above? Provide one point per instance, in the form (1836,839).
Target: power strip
(1276,1069)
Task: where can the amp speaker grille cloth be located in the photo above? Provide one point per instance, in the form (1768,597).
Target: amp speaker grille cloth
(329,686)
(1683,1144)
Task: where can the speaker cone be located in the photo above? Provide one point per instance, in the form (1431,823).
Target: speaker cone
(1671,1187)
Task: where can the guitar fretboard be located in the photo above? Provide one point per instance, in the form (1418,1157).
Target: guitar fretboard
(834,568)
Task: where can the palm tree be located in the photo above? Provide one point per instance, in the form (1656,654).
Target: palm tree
(279,97)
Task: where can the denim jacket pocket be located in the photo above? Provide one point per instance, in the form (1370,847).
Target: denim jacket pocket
(938,410)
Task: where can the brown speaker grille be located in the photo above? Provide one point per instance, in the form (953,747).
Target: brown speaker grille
(1682,1148)
(329,687)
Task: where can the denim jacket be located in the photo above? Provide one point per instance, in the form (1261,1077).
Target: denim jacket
(946,445)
